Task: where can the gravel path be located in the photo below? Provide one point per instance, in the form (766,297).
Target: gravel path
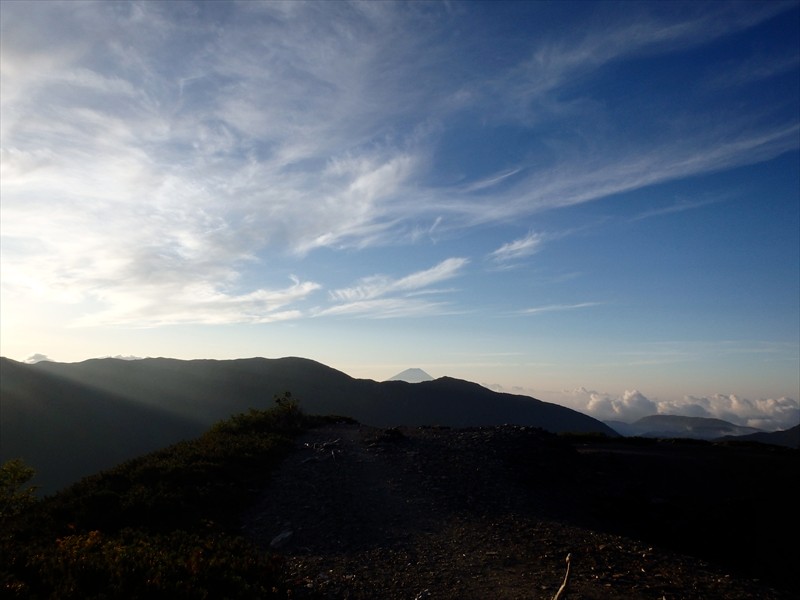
(359,512)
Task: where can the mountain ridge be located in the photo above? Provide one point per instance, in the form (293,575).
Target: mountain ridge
(60,417)
(701,428)
(789,438)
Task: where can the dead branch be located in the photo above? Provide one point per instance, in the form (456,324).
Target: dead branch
(566,578)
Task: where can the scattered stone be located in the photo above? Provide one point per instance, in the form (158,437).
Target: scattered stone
(477,513)
(280,540)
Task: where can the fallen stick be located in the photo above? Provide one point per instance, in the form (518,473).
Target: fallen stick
(563,585)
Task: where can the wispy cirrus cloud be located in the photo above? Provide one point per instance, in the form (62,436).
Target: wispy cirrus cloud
(384,296)
(676,207)
(558,60)
(491,181)
(199,304)
(284,128)
(387,308)
(591,177)
(556,308)
(754,69)
(519,248)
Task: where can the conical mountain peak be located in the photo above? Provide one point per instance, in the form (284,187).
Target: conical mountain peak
(412,376)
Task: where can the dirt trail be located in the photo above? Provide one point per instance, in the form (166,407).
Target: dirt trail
(359,512)
(334,496)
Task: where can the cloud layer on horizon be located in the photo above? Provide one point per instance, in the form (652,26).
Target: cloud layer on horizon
(769,414)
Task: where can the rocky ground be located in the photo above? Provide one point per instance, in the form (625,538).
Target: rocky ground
(413,513)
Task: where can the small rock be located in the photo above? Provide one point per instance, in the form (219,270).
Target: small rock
(280,539)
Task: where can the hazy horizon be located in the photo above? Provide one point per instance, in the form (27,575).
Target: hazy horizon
(595,204)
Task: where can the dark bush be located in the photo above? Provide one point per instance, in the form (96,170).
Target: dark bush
(160,526)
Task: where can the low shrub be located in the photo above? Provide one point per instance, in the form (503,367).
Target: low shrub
(136,564)
(162,525)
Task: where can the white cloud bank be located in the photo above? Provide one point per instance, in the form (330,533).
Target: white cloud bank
(766,413)
(36,358)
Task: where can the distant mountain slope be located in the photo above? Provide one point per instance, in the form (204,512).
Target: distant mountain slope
(789,437)
(679,426)
(68,428)
(411,376)
(71,419)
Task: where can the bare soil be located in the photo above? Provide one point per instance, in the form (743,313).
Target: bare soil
(493,513)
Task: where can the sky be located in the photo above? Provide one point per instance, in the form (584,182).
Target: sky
(591,203)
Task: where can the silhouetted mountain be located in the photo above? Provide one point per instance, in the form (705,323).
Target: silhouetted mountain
(68,420)
(789,437)
(411,376)
(67,428)
(621,427)
(675,426)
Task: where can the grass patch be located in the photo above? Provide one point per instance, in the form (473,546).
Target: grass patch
(160,526)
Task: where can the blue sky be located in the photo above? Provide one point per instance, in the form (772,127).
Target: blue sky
(592,203)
